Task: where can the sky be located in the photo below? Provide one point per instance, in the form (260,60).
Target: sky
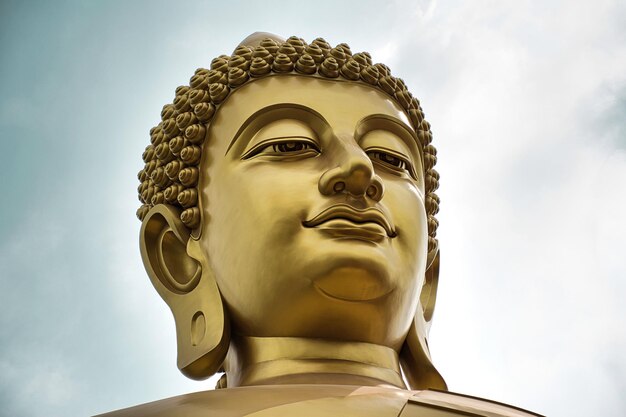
(527,101)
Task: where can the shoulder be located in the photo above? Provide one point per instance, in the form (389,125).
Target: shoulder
(445,403)
(233,402)
(320,400)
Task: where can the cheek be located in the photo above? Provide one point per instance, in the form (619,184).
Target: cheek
(406,204)
(272,194)
(254,210)
(253,221)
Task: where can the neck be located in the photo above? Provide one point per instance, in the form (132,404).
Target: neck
(292,360)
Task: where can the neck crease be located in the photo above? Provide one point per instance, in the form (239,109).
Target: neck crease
(281,360)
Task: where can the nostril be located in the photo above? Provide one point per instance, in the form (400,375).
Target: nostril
(339,186)
(371,191)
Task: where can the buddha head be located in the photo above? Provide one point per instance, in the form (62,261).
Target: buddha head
(288,200)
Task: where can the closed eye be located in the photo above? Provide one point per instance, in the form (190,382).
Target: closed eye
(292,146)
(391,161)
(287,147)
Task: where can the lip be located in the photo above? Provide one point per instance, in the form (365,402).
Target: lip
(347,220)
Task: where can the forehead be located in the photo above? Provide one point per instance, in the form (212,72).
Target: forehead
(342,104)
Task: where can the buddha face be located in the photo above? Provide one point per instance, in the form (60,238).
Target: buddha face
(312,200)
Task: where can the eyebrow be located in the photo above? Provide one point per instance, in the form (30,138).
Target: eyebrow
(265,111)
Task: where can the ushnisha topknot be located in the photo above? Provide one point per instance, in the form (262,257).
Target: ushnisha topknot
(172,159)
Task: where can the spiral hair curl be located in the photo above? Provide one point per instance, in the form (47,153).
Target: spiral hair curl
(172,159)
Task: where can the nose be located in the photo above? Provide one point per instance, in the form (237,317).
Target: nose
(354,175)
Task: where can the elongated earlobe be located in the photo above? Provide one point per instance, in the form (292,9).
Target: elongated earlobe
(181,274)
(415,358)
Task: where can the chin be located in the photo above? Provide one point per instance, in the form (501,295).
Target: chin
(355,271)
(353,283)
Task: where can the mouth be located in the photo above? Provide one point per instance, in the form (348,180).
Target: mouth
(344,221)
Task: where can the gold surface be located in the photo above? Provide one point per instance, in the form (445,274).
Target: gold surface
(288,222)
(321,400)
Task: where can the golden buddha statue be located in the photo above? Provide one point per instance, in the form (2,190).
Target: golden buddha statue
(288,221)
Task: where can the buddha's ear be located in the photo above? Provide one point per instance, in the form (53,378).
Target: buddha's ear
(181,274)
(428,295)
(415,360)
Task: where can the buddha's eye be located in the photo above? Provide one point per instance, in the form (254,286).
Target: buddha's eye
(391,161)
(286,147)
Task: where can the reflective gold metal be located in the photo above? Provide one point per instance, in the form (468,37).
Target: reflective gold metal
(288,222)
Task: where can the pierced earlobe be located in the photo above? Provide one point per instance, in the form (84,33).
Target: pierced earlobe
(415,358)
(181,275)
